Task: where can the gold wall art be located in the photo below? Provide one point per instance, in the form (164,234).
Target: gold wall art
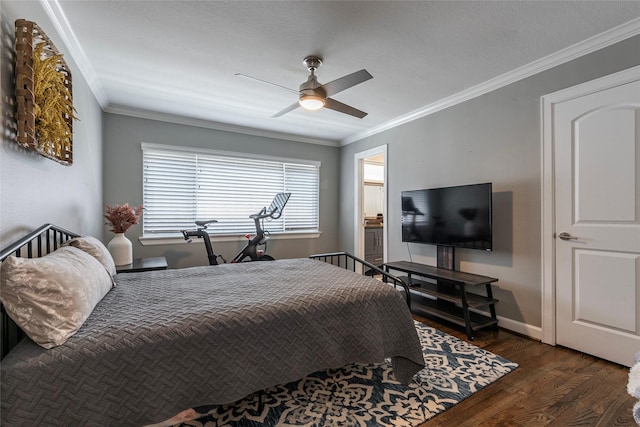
(45,111)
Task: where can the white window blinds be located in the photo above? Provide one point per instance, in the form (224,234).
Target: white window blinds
(182,185)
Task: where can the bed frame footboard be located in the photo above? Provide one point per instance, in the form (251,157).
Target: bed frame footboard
(355,264)
(39,242)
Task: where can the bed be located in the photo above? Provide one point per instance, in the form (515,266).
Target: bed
(160,342)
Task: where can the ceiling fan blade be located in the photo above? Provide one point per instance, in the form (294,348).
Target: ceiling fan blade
(269,83)
(286,110)
(332,104)
(346,82)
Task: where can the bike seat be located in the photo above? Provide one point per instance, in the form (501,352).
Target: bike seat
(205,222)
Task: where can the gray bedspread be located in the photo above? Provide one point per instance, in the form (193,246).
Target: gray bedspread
(164,341)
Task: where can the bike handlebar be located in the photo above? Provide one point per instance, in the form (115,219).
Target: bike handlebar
(262,214)
(275,209)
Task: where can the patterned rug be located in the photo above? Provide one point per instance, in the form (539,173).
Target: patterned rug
(367,395)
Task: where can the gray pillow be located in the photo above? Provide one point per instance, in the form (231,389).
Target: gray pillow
(50,297)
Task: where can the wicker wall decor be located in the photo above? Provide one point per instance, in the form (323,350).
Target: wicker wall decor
(44,101)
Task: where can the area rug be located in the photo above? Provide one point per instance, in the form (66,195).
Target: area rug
(367,395)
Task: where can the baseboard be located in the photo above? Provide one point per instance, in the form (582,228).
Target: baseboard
(534,332)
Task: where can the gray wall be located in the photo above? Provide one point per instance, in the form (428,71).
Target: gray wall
(493,138)
(35,190)
(123,181)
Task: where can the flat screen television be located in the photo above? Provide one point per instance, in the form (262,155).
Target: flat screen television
(450,216)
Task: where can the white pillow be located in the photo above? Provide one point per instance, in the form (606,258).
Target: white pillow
(95,248)
(50,297)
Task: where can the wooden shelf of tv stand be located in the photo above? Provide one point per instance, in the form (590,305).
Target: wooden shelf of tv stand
(447,293)
(443,293)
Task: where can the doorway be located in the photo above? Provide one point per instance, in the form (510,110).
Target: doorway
(371,205)
(591,217)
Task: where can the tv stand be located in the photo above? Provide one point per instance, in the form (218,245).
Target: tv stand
(442,293)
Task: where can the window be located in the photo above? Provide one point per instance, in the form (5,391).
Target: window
(182,185)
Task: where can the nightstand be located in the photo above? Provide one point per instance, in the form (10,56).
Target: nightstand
(143,264)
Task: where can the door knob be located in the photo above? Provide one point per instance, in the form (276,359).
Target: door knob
(566,236)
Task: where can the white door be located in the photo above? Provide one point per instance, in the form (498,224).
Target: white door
(597,222)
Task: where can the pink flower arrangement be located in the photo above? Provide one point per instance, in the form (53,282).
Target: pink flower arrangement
(121,217)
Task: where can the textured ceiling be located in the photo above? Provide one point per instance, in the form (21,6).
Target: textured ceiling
(180,58)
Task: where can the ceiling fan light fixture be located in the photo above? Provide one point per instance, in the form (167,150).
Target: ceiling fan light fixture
(311,102)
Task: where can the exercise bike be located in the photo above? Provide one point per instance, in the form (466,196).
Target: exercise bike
(251,249)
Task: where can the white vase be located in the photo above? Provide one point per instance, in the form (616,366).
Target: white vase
(121,249)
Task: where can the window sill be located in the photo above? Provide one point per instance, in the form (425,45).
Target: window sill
(178,239)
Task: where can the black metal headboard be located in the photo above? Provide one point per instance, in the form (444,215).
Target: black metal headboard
(39,242)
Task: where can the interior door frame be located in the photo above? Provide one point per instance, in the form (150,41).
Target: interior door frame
(358,227)
(547,104)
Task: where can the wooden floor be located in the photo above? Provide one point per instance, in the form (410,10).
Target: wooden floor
(553,386)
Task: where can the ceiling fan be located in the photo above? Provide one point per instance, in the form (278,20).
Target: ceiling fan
(314,96)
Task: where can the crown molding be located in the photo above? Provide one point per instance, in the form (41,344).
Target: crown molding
(60,22)
(208,124)
(592,44)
